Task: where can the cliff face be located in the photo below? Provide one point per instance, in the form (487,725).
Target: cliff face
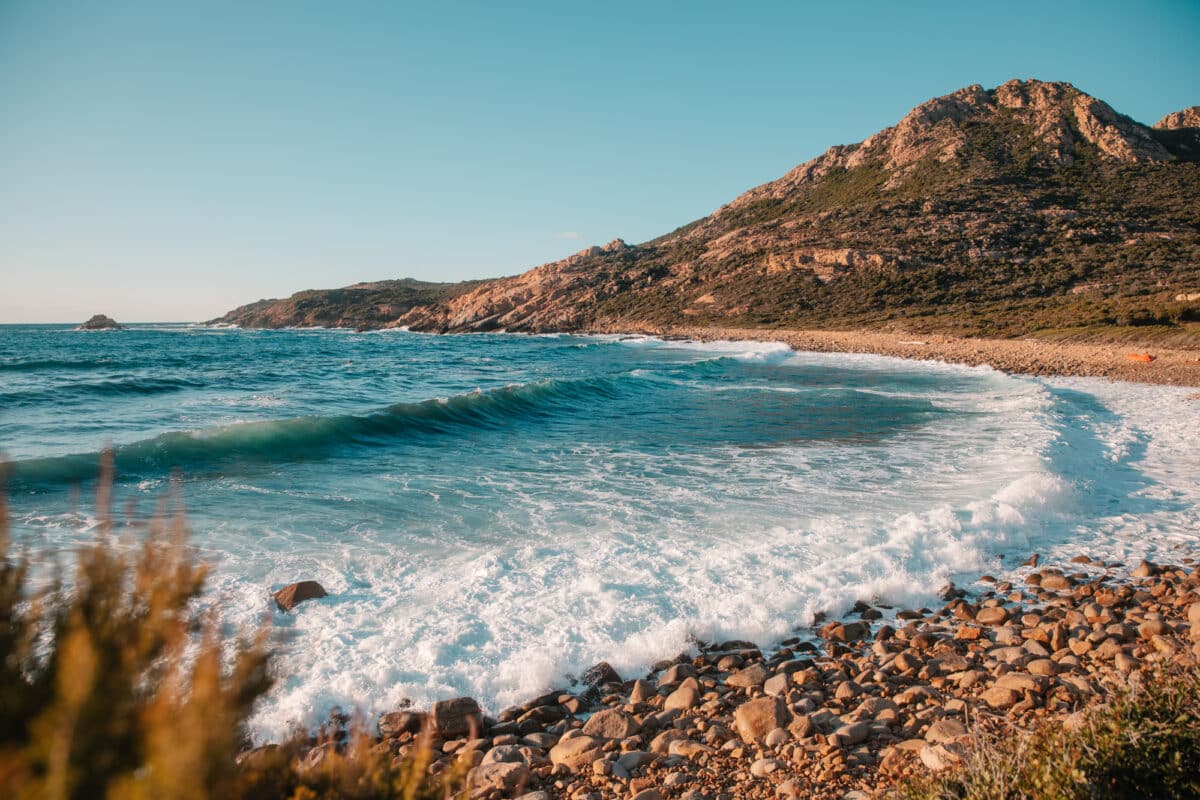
(987,211)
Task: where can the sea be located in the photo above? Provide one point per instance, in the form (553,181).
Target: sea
(492,514)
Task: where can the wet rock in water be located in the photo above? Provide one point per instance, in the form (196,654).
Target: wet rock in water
(677,673)
(847,632)
(453,719)
(1145,569)
(611,723)
(600,674)
(1055,582)
(293,594)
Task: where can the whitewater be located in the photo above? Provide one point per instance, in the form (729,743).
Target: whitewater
(492,514)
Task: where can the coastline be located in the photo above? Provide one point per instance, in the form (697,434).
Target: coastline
(871,700)
(849,707)
(1171,367)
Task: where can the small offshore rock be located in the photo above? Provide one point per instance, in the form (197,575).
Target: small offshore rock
(99,322)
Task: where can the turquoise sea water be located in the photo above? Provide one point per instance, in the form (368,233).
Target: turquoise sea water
(492,513)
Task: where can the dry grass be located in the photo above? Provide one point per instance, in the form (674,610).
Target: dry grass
(1143,744)
(118,685)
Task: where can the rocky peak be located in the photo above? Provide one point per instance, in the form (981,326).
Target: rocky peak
(1187,118)
(1056,115)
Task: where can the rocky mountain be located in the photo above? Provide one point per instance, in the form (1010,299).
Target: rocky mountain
(361,306)
(1028,207)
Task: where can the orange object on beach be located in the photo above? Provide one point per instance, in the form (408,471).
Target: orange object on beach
(1143,357)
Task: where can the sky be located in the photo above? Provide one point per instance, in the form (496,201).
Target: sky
(167,161)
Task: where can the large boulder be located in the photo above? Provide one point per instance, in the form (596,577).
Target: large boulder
(601,674)
(756,718)
(753,675)
(394,723)
(294,594)
(577,752)
(454,719)
(508,777)
(611,723)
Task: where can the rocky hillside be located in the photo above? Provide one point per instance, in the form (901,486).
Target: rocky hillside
(1029,207)
(361,306)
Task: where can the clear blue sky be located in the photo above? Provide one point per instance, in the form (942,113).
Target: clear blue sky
(165,160)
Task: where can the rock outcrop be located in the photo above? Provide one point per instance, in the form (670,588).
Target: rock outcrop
(1187,118)
(99,322)
(1180,130)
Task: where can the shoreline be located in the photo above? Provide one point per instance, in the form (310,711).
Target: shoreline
(1171,367)
(884,694)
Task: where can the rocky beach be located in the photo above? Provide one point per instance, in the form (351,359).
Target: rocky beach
(1136,363)
(844,709)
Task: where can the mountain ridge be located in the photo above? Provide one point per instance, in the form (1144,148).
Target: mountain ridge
(1029,206)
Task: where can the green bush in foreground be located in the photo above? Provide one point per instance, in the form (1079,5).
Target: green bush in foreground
(1143,744)
(119,687)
